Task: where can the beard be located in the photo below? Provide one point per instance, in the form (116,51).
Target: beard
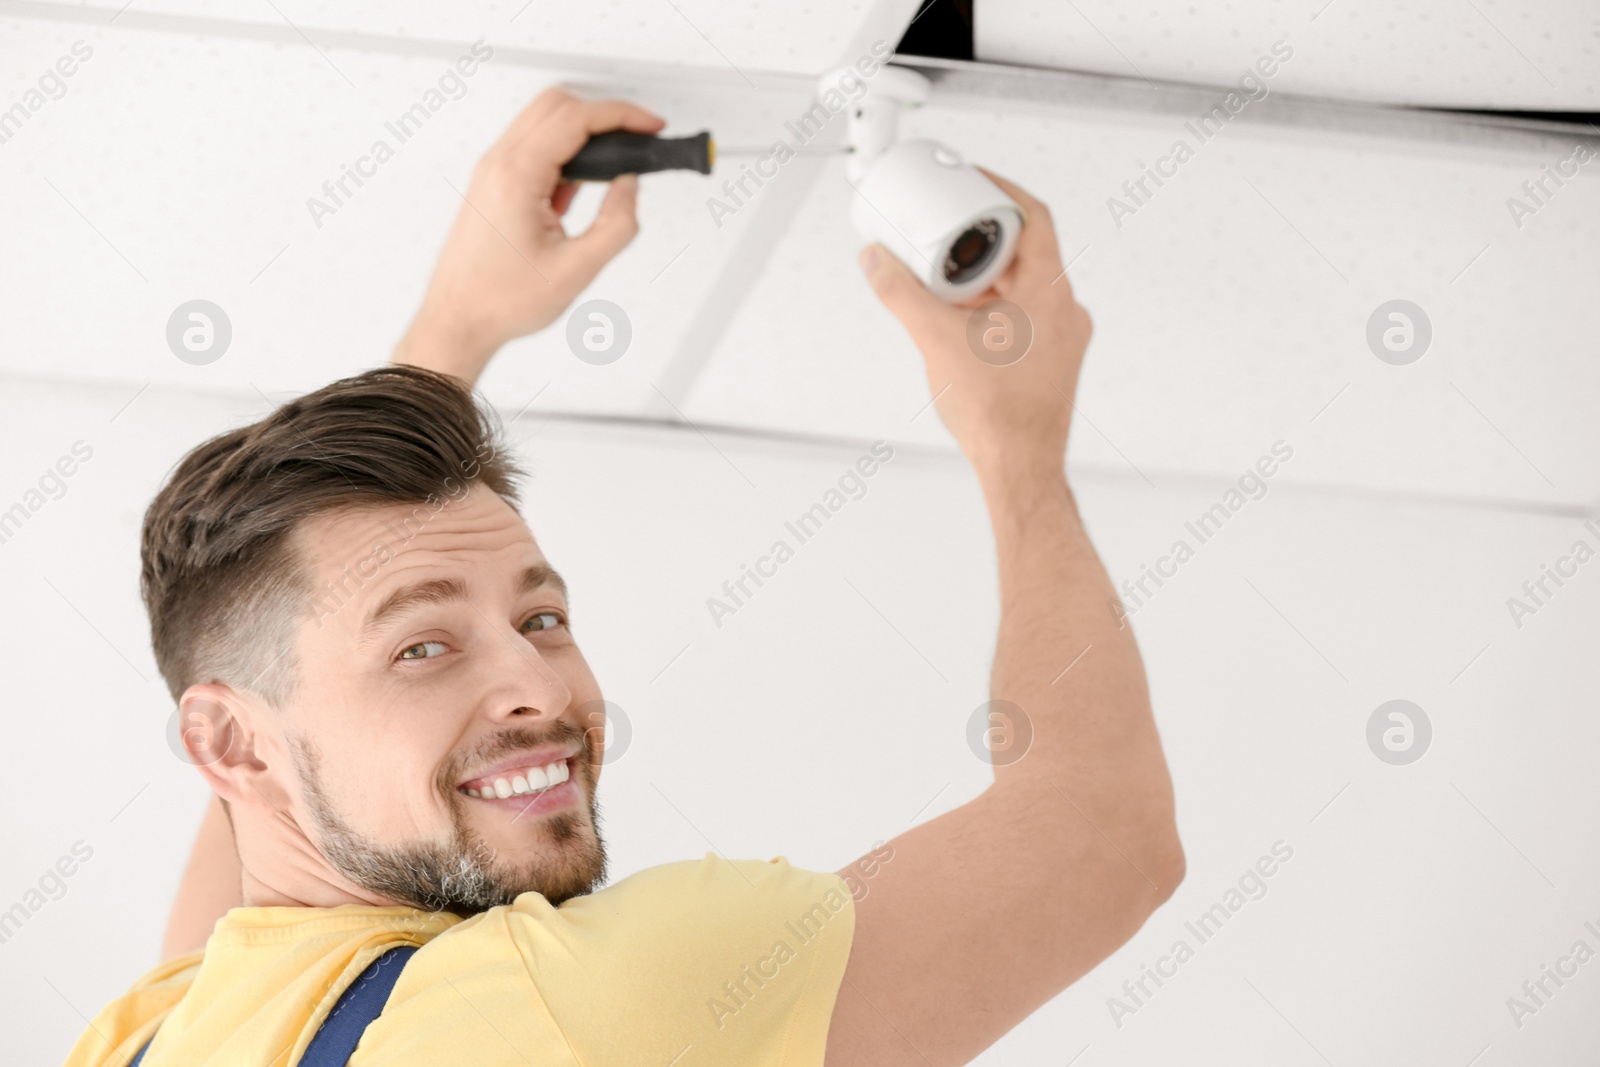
(462,875)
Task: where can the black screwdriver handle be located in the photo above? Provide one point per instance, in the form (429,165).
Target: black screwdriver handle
(615,152)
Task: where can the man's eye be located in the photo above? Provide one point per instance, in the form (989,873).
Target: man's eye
(544,620)
(420,651)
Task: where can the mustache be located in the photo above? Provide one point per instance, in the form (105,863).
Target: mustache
(511,741)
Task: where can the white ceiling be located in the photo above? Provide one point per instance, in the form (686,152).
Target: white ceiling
(1230,309)
(1440,53)
(727,36)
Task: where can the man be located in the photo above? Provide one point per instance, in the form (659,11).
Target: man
(382,687)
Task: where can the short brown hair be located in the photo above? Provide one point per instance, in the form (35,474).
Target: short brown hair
(221,580)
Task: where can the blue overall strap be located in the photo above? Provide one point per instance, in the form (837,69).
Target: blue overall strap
(363,1002)
(358,1005)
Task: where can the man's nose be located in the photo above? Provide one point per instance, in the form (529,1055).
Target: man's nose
(524,683)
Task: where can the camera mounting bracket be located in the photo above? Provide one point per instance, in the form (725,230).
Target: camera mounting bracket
(875,118)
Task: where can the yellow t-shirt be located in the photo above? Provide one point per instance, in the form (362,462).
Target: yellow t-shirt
(693,963)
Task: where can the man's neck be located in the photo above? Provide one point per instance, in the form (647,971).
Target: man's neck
(306,892)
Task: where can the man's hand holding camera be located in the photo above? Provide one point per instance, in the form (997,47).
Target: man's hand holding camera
(1017,413)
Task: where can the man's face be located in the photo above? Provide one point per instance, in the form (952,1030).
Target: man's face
(444,725)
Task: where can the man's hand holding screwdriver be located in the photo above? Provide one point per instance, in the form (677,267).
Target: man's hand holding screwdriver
(508,267)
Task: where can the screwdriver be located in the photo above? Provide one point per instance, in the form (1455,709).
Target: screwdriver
(615,152)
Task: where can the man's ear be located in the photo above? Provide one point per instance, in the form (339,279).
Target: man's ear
(218,732)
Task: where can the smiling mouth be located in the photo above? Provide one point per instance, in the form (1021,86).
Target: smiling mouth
(529,781)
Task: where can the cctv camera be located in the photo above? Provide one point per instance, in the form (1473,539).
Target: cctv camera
(952,227)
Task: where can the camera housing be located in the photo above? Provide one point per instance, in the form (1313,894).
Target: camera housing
(952,227)
(955,229)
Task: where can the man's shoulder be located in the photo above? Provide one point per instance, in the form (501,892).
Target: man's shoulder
(710,882)
(129,1016)
(677,904)
(739,958)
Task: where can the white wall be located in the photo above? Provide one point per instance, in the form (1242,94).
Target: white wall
(1378,566)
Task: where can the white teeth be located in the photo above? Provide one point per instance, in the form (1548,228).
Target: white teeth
(530,780)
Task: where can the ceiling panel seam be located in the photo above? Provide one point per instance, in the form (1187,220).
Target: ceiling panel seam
(775,212)
(1111,472)
(636,70)
(960,82)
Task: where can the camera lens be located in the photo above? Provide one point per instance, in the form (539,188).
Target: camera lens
(971,251)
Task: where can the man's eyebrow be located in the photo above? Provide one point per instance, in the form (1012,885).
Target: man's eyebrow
(444,590)
(539,575)
(432,591)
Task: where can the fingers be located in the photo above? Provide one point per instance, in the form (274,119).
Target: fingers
(1038,253)
(602,115)
(612,114)
(558,123)
(1025,199)
(898,289)
(561,199)
(551,130)
(534,115)
(613,228)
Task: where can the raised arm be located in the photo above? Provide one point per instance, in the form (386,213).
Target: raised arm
(972,921)
(507,269)
(210,886)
